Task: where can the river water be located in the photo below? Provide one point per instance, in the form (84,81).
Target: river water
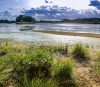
(16,32)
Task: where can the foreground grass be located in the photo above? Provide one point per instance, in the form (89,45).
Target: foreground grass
(40,66)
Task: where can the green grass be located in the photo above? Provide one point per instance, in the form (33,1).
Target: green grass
(64,72)
(80,52)
(37,82)
(96,66)
(65,69)
(36,66)
(61,49)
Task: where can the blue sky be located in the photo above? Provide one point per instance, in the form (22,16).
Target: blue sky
(50,9)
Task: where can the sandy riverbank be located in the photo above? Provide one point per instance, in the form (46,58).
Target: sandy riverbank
(70,33)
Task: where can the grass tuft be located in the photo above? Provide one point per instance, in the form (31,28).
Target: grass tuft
(80,52)
(37,82)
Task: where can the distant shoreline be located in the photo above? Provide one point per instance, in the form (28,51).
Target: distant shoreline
(69,33)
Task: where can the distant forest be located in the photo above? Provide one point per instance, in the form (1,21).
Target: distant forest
(6,21)
(28,19)
(84,20)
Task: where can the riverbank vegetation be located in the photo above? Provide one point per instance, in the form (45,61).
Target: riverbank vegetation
(29,65)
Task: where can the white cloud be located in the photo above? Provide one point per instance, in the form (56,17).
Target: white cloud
(55,12)
(76,4)
(58,9)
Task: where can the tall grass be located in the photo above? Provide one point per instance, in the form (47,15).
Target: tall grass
(34,63)
(65,69)
(96,66)
(62,49)
(64,72)
(98,54)
(80,52)
(37,82)
(35,66)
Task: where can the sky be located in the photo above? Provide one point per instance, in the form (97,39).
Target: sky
(50,9)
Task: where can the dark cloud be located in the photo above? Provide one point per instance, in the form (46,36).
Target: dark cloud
(95,3)
(56,12)
(46,1)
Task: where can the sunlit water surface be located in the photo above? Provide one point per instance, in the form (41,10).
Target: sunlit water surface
(13,32)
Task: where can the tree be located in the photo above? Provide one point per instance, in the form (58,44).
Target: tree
(24,18)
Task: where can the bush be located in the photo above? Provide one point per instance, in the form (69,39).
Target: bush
(80,52)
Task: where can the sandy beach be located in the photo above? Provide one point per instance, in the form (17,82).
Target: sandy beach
(70,33)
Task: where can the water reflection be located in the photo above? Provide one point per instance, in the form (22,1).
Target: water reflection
(94,28)
(14,32)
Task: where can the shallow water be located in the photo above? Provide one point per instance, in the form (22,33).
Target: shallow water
(91,28)
(12,32)
(94,28)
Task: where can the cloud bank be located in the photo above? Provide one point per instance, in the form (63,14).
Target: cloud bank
(95,3)
(51,9)
(59,13)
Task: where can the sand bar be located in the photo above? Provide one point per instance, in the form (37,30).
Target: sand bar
(70,33)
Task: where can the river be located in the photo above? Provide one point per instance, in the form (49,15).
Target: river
(16,32)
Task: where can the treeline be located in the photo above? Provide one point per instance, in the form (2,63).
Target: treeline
(24,19)
(43,21)
(83,20)
(6,21)
(80,20)
(21,19)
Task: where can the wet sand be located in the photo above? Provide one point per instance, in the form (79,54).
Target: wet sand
(70,33)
